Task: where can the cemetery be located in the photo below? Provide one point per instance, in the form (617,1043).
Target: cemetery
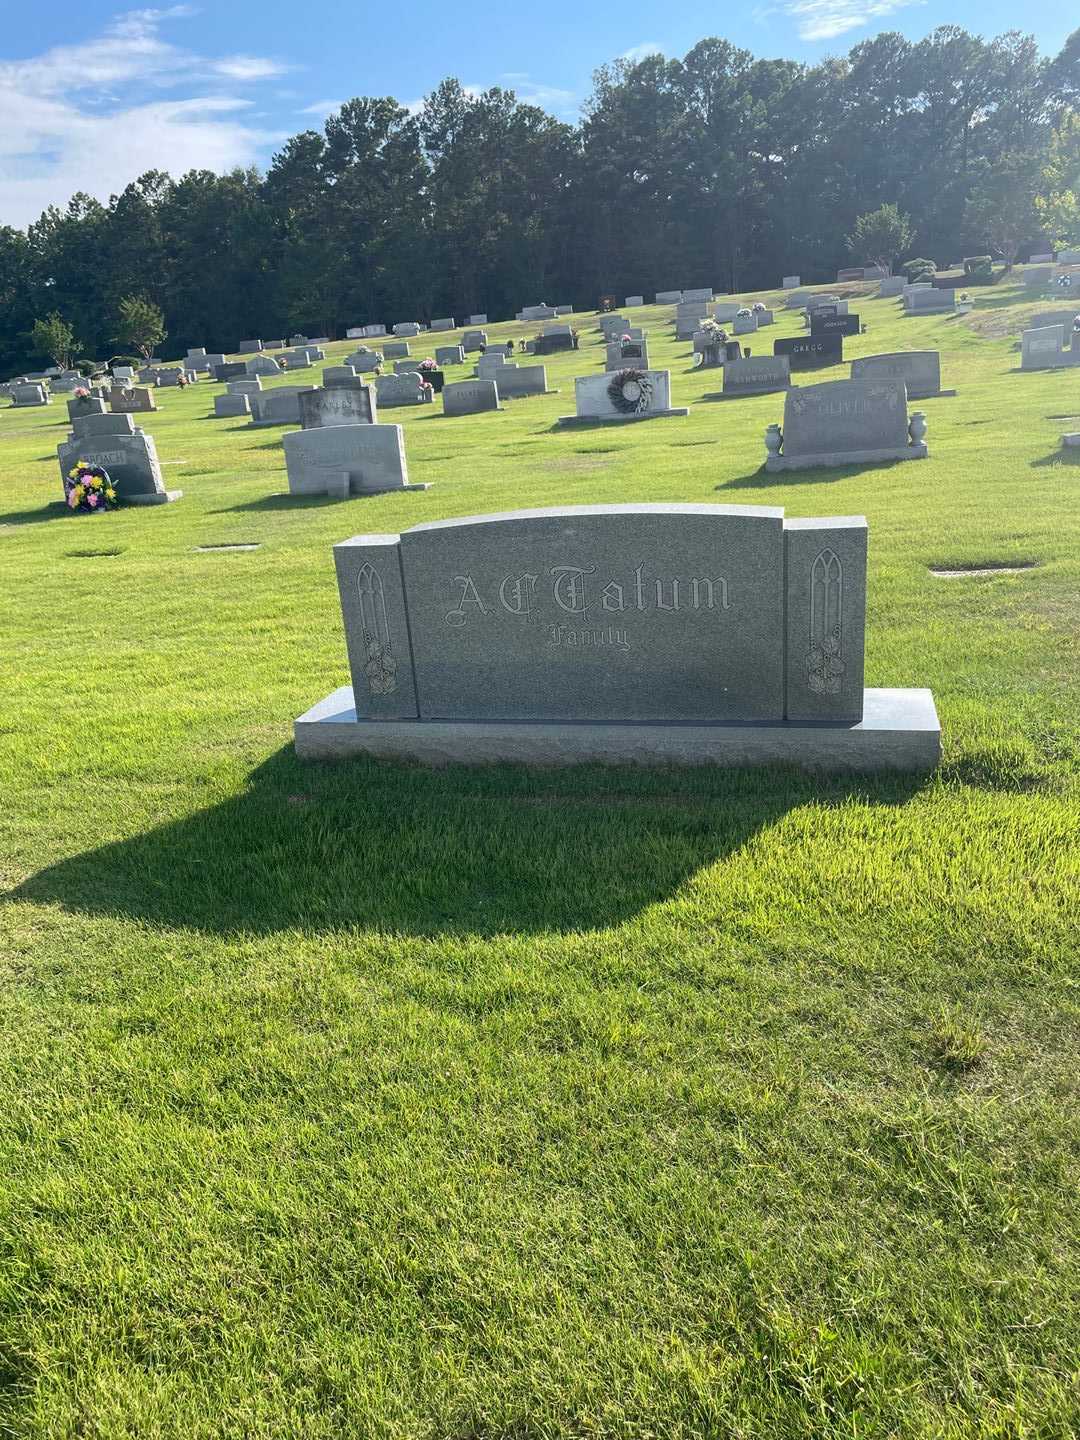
(521,923)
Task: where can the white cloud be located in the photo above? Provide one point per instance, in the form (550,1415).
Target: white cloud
(63,127)
(642,51)
(825,19)
(322,108)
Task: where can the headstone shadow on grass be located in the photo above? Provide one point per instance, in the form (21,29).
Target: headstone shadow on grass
(459,851)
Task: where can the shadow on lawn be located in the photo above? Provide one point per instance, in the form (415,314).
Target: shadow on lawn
(51,510)
(402,849)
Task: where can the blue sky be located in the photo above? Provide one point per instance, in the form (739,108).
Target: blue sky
(92,95)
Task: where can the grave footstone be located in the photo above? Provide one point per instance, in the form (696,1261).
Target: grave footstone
(344,460)
(658,633)
(845,422)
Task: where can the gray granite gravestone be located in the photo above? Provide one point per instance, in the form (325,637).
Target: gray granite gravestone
(932,301)
(656,633)
(130,459)
(131,400)
(474,340)
(85,405)
(343,375)
(277,407)
(402,367)
(338,407)
(620,355)
(820,324)
(891,286)
(407,328)
(344,460)
(395,349)
(249,347)
(449,354)
(1044,349)
(622,395)
(445,324)
(791,282)
(668,297)
(470,397)
(845,422)
(262,365)
(514,382)
(920,370)
(229,406)
(633,301)
(231,370)
(246,385)
(26,395)
(407,389)
(363,362)
(760,375)
(90,427)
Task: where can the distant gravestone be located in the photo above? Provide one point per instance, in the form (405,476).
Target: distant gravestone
(474,340)
(395,349)
(319,408)
(277,407)
(515,382)
(449,355)
(845,422)
(470,397)
(668,297)
(230,406)
(807,352)
(1038,277)
(130,459)
(621,354)
(846,276)
(85,405)
(834,324)
(929,302)
(478,319)
(620,396)
(1068,257)
(335,376)
(407,328)
(744,325)
(344,460)
(633,301)
(1044,349)
(262,365)
(249,347)
(87,427)
(920,370)
(447,324)
(704,292)
(725,312)
(407,389)
(891,286)
(757,376)
(23,396)
(402,367)
(131,400)
(244,385)
(230,370)
(363,364)
(791,282)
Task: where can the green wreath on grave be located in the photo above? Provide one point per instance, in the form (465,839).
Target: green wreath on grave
(630,392)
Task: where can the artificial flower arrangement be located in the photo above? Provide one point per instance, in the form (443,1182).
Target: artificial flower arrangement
(745,312)
(88,487)
(81,392)
(428,364)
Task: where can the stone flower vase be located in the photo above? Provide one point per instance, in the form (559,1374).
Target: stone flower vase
(774,438)
(917,427)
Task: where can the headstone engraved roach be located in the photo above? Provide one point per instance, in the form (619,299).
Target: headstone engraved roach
(657,633)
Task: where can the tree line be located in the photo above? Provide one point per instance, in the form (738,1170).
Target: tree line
(718,168)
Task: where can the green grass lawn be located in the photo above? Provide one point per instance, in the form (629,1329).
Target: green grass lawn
(364,1101)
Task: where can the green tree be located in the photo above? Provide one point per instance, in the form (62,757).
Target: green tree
(880,236)
(1002,207)
(142,325)
(55,338)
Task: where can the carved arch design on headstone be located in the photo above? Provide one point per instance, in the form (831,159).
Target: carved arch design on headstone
(825,664)
(380,667)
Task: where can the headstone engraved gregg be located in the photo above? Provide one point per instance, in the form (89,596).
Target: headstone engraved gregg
(807,352)
(845,422)
(698,633)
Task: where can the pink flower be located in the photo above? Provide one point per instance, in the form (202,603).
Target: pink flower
(92,501)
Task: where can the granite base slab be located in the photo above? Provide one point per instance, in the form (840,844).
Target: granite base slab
(844,457)
(931,394)
(899,731)
(1072,441)
(565,421)
(161,497)
(748,393)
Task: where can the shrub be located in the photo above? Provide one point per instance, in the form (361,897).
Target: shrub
(917,270)
(979,269)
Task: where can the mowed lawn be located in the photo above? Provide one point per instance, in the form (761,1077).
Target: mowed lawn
(366,1101)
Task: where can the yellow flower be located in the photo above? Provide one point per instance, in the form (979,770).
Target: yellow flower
(110,493)
(78,492)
